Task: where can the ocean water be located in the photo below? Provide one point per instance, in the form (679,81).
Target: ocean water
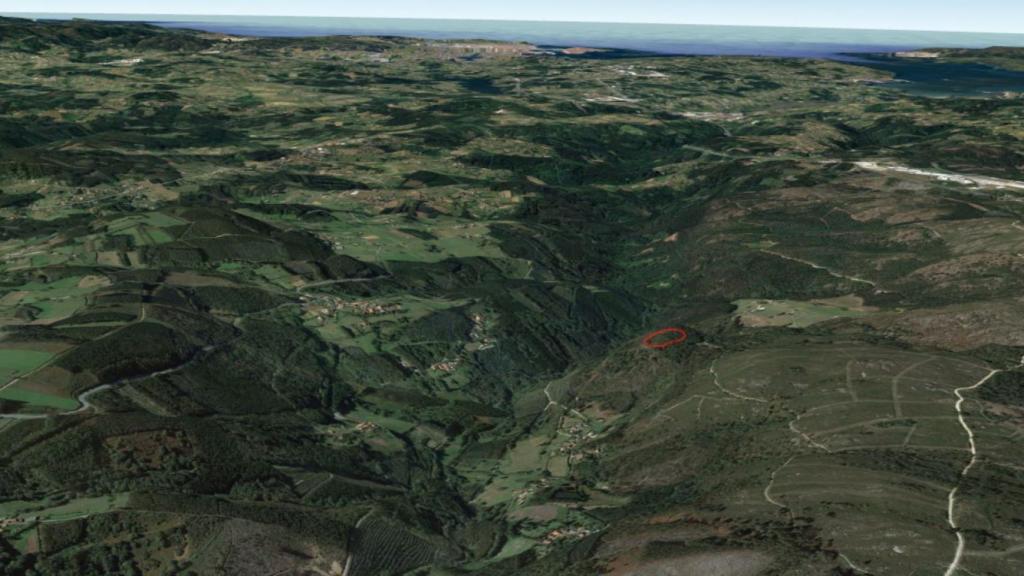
(943,79)
(659,38)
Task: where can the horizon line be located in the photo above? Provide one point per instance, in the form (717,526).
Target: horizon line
(89,15)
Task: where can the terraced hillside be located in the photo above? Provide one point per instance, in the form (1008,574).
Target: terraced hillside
(362,306)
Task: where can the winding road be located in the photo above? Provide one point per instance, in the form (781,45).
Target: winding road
(83,398)
(961,543)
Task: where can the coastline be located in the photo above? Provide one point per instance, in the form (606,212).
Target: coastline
(673,39)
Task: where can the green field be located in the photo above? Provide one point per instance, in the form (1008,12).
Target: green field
(29,516)
(31,398)
(44,511)
(53,300)
(14,363)
(32,514)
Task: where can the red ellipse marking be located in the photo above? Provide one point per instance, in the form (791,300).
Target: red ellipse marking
(680,337)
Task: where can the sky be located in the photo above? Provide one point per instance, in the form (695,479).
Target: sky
(945,15)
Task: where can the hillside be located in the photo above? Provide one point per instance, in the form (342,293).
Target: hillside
(367,306)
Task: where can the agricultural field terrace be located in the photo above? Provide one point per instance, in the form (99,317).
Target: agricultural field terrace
(374,306)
